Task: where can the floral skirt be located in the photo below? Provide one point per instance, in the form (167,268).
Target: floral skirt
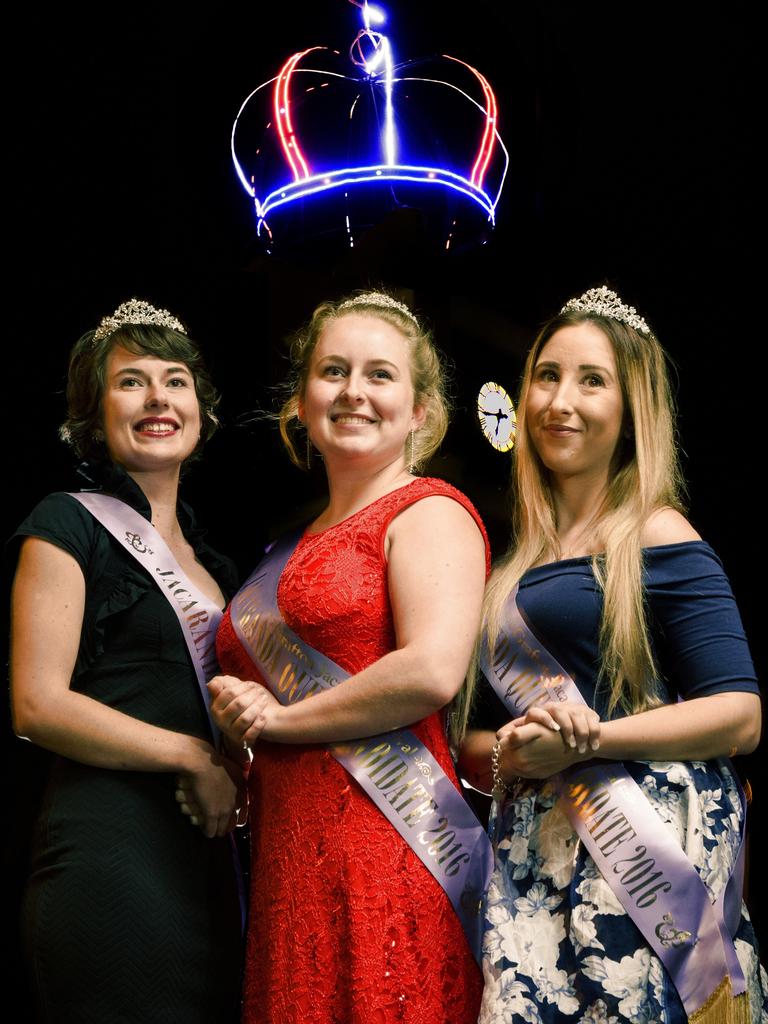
(559,947)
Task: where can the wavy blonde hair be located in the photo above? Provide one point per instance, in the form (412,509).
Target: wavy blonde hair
(645,477)
(427,373)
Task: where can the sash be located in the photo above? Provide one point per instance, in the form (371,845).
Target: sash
(198,615)
(639,859)
(395,769)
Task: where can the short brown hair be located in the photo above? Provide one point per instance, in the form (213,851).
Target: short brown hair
(87,372)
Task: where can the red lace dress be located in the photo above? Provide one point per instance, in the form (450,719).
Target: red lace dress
(347,926)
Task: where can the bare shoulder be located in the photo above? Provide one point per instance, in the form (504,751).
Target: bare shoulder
(435,526)
(437,511)
(667,526)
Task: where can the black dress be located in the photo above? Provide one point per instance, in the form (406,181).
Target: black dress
(130,913)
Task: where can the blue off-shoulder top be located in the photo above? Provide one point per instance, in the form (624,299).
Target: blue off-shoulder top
(696,632)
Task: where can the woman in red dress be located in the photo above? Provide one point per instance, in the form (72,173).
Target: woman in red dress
(347,925)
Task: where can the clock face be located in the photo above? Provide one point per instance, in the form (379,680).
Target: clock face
(497,416)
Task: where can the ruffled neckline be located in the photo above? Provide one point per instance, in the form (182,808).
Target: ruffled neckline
(109,478)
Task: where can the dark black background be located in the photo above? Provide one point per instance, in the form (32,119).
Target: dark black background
(632,133)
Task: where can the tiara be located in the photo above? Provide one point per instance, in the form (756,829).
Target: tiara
(136,311)
(604,302)
(378,299)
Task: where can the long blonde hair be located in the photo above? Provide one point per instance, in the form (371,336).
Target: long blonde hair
(645,476)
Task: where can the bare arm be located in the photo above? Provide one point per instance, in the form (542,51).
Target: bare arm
(716,726)
(701,727)
(436,580)
(47,615)
(696,730)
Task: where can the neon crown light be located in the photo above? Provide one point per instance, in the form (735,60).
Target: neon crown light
(319,126)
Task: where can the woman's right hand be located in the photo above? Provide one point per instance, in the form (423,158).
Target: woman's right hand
(212,793)
(241,707)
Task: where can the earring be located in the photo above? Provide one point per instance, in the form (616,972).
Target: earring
(309,450)
(410,456)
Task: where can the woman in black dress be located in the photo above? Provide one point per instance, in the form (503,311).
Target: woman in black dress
(131,910)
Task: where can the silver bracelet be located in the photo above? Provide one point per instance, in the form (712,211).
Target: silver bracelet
(499,785)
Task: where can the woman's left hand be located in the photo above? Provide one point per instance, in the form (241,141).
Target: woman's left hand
(532,750)
(192,809)
(578,724)
(241,708)
(212,795)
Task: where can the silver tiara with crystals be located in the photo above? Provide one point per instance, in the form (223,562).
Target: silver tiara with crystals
(603,302)
(136,311)
(378,299)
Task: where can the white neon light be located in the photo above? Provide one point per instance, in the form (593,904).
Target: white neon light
(297,71)
(389,113)
(371,65)
(382,54)
(373,15)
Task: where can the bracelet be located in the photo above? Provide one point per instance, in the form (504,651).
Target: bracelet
(499,785)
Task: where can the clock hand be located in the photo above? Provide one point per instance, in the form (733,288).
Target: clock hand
(499,415)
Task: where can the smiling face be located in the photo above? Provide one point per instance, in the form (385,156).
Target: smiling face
(574,405)
(358,403)
(150,411)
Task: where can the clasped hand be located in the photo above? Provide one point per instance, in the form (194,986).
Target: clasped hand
(213,794)
(241,708)
(547,739)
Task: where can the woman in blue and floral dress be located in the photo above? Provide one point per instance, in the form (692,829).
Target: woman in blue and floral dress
(623,594)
